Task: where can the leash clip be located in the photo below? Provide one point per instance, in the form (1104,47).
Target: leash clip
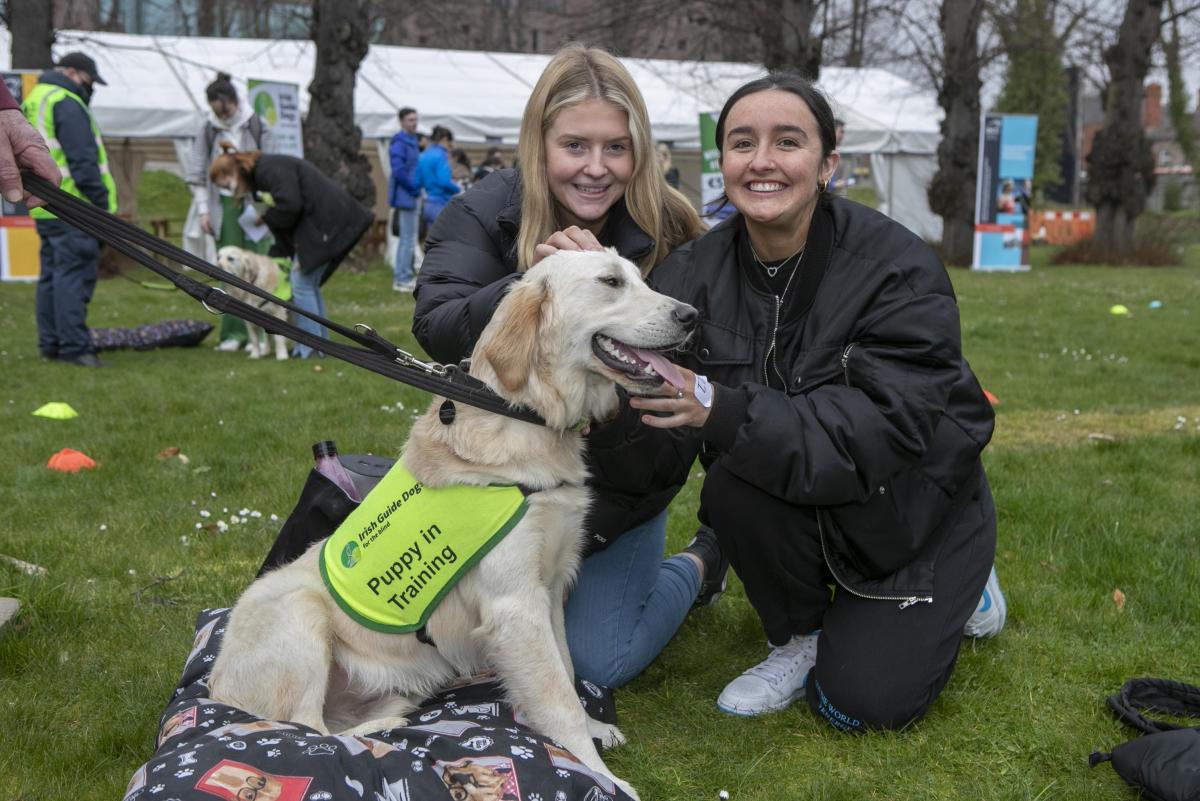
(408,360)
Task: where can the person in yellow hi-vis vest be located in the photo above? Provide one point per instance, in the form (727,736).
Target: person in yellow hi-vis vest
(70,259)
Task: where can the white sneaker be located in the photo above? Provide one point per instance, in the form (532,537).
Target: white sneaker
(404,286)
(774,683)
(988,619)
(229,346)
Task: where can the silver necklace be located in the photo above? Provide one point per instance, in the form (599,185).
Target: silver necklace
(773,270)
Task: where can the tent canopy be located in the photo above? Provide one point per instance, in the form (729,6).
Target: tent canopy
(156,86)
(156,90)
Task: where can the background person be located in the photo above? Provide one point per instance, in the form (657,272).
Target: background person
(314,221)
(70,259)
(588,178)
(460,168)
(844,429)
(491,162)
(670,171)
(404,194)
(436,174)
(228,125)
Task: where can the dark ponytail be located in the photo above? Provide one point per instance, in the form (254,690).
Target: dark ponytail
(221,89)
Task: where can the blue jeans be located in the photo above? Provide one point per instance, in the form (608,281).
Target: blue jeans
(402,273)
(306,293)
(70,260)
(627,603)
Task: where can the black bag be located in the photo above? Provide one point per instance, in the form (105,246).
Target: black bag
(322,508)
(1165,764)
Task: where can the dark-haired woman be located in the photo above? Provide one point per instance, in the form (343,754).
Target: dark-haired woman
(842,427)
(213,218)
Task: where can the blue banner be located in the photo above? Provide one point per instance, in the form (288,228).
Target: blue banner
(1004,188)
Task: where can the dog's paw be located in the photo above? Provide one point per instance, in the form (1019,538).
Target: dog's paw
(377,725)
(253,353)
(608,734)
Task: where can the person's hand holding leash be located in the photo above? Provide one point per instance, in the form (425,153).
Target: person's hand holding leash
(686,406)
(570,238)
(22,148)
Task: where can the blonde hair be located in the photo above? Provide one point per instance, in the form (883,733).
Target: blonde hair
(575,75)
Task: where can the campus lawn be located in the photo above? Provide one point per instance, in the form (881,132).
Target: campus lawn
(1095,468)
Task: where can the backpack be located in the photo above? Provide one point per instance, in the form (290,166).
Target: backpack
(1164,765)
(256,132)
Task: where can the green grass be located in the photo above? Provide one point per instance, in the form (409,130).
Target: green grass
(86,668)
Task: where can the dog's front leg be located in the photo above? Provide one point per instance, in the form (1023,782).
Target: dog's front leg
(522,647)
(281,351)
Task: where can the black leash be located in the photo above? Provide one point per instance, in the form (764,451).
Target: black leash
(375,353)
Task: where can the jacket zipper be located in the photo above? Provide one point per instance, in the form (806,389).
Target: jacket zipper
(846,362)
(770,355)
(905,600)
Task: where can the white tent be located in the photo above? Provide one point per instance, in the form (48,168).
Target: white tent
(156,90)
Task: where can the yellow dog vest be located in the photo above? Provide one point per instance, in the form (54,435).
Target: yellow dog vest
(392,560)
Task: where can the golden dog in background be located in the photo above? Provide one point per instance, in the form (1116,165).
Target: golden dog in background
(263,272)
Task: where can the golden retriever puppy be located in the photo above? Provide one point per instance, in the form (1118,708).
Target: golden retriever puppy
(573,328)
(263,272)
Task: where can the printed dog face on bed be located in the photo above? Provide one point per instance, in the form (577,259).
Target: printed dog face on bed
(577,323)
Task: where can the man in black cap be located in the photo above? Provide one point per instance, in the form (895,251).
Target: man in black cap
(70,259)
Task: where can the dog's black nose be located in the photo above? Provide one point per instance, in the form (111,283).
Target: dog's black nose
(685,315)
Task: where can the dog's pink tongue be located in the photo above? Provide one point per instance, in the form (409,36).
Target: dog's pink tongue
(669,372)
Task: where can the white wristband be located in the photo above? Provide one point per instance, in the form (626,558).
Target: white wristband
(703,392)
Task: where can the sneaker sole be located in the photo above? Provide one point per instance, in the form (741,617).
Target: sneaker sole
(729,710)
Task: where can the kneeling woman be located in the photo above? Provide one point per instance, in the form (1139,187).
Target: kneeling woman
(842,427)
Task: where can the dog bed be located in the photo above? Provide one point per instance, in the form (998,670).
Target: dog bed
(165,334)
(463,744)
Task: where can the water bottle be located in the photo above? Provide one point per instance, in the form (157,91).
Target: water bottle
(328,465)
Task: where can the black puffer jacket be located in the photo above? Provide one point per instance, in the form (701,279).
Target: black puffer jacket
(868,411)
(470,262)
(309,215)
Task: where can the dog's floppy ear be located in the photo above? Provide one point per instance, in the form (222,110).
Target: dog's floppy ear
(512,346)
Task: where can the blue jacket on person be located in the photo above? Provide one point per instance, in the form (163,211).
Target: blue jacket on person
(433,172)
(403,186)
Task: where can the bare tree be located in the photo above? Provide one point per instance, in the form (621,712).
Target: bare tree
(31,25)
(957,76)
(331,139)
(1120,165)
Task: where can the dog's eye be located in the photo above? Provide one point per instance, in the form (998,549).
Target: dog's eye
(611,280)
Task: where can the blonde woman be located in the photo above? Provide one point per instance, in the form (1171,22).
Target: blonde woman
(589,177)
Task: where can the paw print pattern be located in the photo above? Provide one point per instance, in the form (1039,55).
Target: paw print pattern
(430,715)
(159,767)
(158,788)
(209,710)
(209,657)
(521,752)
(534,797)
(321,795)
(563,774)
(183,774)
(559,795)
(269,741)
(418,766)
(274,752)
(420,752)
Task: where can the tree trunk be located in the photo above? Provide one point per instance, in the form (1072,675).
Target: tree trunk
(1121,166)
(31,24)
(332,142)
(952,191)
(787,37)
